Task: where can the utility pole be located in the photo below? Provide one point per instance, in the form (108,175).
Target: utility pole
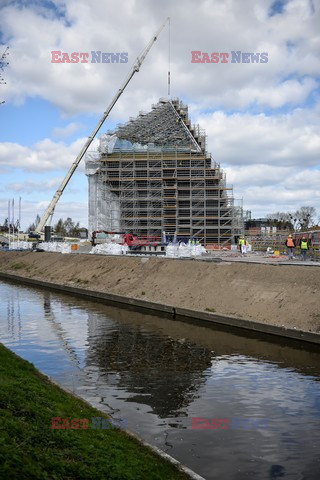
(3,65)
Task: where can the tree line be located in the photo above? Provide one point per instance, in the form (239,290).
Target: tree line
(302,219)
(63,228)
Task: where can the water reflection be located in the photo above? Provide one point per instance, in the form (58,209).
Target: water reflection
(57,327)
(139,359)
(158,373)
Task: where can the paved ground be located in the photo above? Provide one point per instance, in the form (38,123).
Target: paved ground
(258,257)
(228,256)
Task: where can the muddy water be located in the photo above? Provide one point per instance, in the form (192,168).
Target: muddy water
(158,374)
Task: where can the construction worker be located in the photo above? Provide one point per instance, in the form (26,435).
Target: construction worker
(304,247)
(247,245)
(242,244)
(290,244)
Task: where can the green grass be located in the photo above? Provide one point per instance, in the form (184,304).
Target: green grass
(18,266)
(30,449)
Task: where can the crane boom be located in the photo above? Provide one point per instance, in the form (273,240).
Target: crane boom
(136,67)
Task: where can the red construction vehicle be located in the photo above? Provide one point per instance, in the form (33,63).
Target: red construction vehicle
(133,241)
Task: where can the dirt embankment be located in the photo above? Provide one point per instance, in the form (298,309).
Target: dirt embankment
(278,295)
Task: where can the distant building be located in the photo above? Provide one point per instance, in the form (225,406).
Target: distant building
(261,226)
(83,233)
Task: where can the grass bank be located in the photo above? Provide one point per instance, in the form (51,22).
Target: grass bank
(30,448)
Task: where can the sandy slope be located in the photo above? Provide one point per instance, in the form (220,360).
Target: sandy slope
(274,294)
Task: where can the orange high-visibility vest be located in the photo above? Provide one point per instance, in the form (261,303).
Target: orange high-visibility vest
(290,242)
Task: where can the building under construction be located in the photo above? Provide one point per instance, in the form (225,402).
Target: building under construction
(154,175)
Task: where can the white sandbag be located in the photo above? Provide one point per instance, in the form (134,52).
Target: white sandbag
(109,249)
(20,245)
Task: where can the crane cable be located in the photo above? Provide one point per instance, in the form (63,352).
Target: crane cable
(169,54)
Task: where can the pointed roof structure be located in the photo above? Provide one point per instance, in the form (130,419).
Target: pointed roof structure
(166,126)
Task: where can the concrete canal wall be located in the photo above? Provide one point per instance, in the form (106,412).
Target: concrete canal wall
(276,299)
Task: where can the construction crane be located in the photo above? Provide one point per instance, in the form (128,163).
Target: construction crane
(136,67)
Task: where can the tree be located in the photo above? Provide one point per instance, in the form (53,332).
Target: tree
(34,225)
(67,228)
(72,228)
(59,228)
(301,219)
(76,230)
(5,226)
(305,217)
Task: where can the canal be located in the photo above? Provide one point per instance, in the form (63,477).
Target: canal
(168,378)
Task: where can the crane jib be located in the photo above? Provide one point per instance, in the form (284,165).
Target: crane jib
(50,209)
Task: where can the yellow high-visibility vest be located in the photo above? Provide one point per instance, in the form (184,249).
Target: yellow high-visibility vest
(304,245)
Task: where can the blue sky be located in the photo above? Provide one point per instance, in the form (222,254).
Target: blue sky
(262,119)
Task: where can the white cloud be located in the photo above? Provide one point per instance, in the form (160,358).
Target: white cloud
(247,139)
(29,210)
(303,179)
(32,186)
(291,39)
(268,189)
(272,198)
(273,162)
(44,156)
(257,175)
(66,131)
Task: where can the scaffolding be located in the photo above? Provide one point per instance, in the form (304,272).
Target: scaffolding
(154,175)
